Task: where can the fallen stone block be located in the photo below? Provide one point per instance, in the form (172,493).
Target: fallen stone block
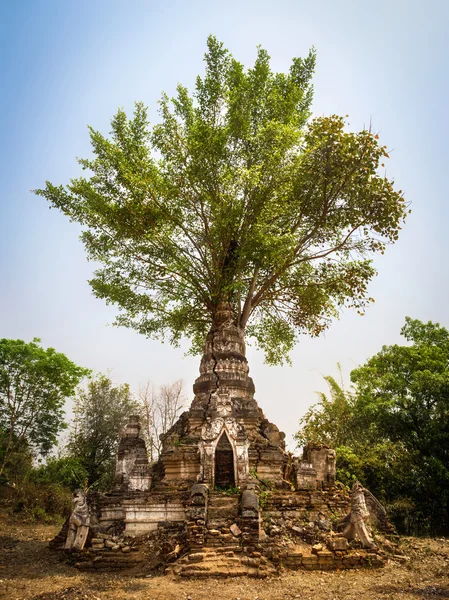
(338,543)
(196,557)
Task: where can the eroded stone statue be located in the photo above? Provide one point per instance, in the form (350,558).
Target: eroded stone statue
(78,523)
(354,523)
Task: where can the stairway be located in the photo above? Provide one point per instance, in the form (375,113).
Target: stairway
(222,562)
(222,554)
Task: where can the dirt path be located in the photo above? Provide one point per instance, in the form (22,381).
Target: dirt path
(29,570)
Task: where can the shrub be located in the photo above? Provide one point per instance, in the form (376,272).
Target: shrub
(38,502)
(66,471)
(407,517)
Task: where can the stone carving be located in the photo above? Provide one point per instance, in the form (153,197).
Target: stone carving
(211,433)
(273,435)
(354,523)
(79,522)
(235,429)
(306,475)
(211,428)
(250,502)
(322,459)
(378,514)
(223,404)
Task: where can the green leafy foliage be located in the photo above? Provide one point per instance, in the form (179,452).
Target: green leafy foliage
(66,471)
(391,430)
(42,502)
(34,384)
(100,411)
(234,196)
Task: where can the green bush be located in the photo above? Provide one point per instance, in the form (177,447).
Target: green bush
(38,502)
(407,517)
(39,515)
(66,471)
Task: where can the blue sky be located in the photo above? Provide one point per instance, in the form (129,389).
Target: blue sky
(64,65)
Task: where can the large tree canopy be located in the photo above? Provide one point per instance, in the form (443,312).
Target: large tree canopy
(237,196)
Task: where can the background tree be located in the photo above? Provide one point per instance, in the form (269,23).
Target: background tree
(331,420)
(67,471)
(391,430)
(100,411)
(34,384)
(340,420)
(235,196)
(405,389)
(160,409)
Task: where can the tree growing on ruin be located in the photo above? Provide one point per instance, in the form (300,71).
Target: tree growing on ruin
(235,196)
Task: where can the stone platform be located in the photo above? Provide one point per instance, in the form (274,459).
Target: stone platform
(226,534)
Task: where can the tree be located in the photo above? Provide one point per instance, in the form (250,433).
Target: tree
(405,390)
(363,452)
(235,197)
(100,411)
(34,384)
(160,409)
(66,471)
(331,420)
(391,430)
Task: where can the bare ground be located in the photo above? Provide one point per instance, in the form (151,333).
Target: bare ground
(30,570)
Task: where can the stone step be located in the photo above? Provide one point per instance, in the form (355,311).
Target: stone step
(233,548)
(221,514)
(222,511)
(219,525)
(223,570)
(222,562)
(214,497)
(109,563)
(224,508)
(129,556)
(223,500)
(220,522)
(222,540)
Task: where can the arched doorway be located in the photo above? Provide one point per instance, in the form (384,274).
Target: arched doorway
(224,463)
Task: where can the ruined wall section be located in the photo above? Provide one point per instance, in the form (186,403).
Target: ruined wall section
(132,469)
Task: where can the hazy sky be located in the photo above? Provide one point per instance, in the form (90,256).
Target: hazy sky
(66,64)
